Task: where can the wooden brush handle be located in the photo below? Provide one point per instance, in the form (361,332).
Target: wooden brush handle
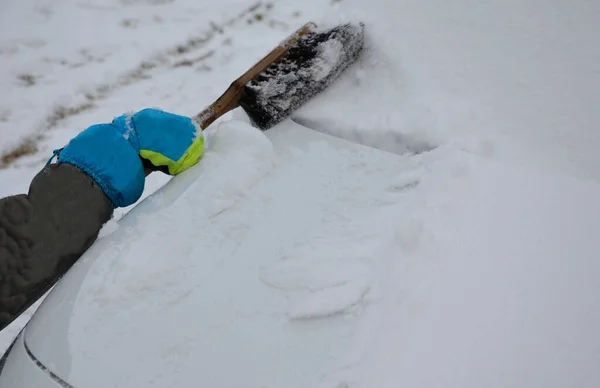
(230,99)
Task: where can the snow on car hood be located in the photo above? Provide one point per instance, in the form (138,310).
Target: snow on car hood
(304,261)
(251,269)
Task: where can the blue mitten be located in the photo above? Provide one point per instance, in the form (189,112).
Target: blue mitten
(109,154)
(167,140)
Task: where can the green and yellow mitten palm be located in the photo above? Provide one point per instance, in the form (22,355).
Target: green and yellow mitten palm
(170,142)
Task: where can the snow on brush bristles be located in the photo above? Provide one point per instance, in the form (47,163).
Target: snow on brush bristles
(309,67)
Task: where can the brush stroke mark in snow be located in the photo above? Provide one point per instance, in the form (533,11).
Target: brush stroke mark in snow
(406,180)
(330,301)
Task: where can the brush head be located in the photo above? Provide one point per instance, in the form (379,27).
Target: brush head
(309,66)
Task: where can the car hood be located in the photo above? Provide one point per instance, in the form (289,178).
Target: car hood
(250,269)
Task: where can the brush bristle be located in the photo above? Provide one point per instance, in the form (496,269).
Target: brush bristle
(311,65)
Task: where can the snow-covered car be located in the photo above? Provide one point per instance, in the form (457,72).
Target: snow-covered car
(467,256)
(295,259)
(251,269)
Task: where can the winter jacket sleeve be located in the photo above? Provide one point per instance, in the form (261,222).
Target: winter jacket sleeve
(43,233)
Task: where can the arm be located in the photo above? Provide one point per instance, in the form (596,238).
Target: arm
(43,233)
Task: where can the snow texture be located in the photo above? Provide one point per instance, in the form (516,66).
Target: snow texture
(330,301)
(202,117)
(463,256)
(234,263)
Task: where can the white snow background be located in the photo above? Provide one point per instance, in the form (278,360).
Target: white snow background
(490,276)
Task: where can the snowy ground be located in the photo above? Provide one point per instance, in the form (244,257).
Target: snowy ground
(493,280)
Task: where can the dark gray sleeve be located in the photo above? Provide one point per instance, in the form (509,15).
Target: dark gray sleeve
(43,233)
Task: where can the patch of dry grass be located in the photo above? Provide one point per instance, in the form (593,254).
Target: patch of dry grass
(27,147)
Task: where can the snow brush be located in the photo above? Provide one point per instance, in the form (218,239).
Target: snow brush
(300,67)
